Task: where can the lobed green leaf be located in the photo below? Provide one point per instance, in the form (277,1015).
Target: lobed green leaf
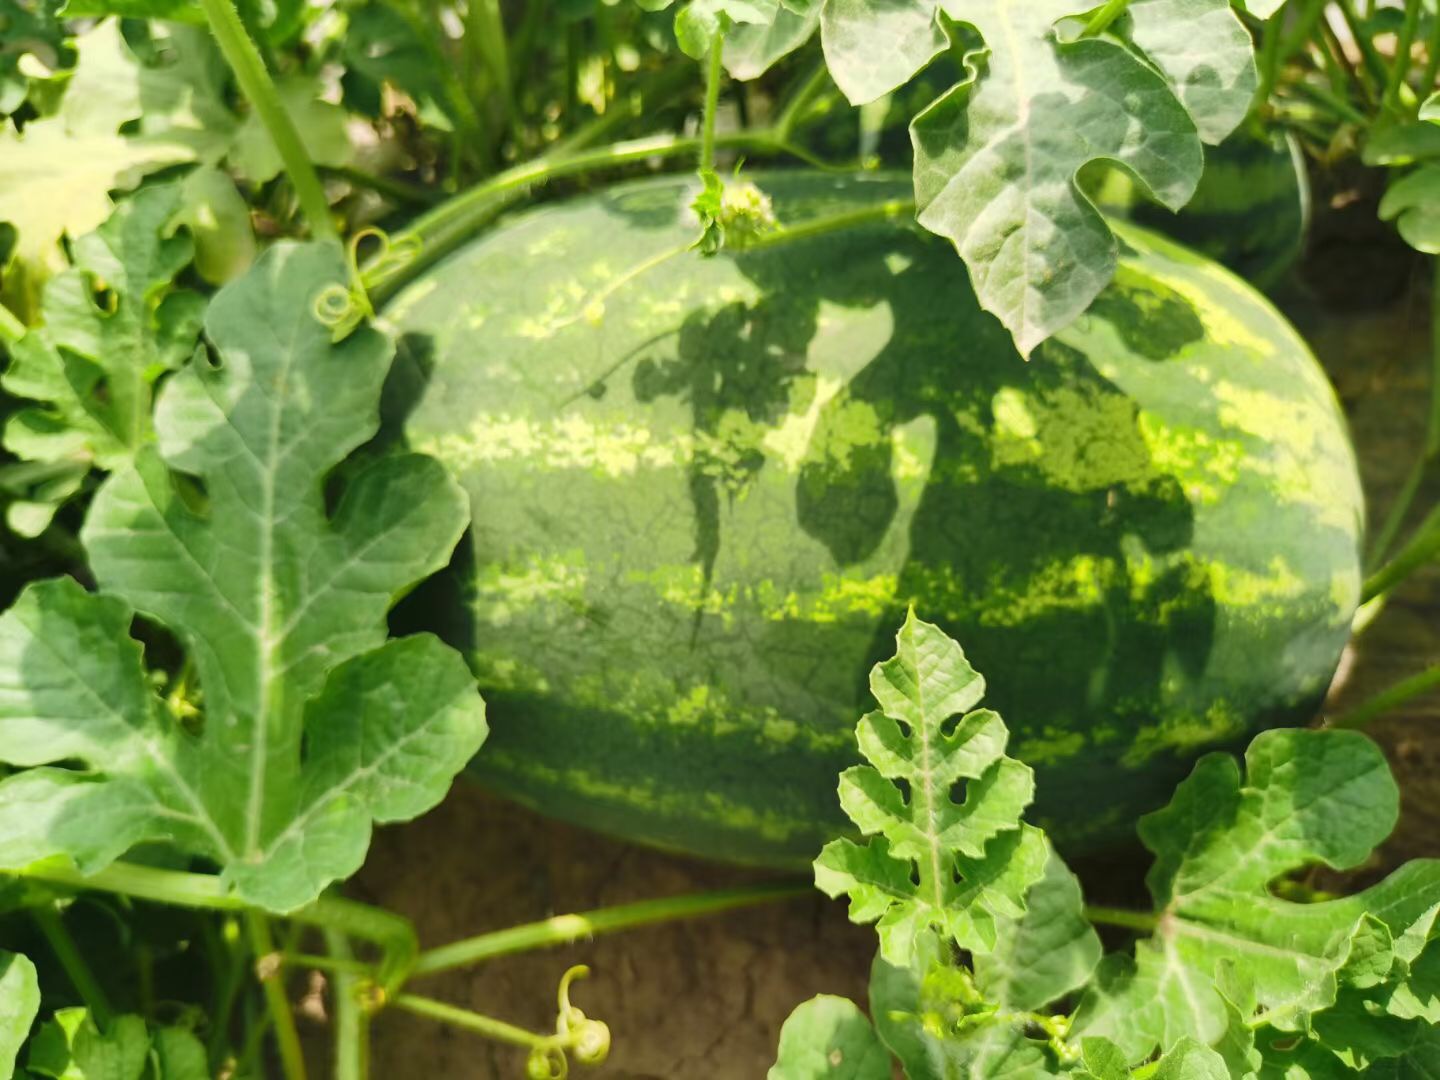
(313,725)
(933,862)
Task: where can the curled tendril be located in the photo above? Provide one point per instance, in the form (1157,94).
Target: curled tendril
(344,307)
(547,1063)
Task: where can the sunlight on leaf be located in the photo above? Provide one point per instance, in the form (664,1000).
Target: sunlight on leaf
(313,724)
(933,862)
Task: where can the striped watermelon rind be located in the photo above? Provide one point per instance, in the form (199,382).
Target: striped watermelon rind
(699,517)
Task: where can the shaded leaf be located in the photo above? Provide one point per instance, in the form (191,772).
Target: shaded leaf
(1413,203)
(56,175)
(113,324)
(752,48)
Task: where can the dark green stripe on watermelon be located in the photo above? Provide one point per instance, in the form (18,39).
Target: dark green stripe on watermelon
(701,513)
(1250,212)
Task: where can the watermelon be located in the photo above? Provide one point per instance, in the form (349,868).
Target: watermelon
(1250,212)
(705,493)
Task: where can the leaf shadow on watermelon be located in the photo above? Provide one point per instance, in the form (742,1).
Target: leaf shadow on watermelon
(698,521)
(1080,490)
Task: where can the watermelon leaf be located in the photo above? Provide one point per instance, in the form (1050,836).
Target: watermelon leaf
(875,46)
(931,861)
(313,725)
(19,1002)
(71,1045)
(1307,797)
(997,158)
(56,175)
(1413,203)
(90,368)
(829,1037)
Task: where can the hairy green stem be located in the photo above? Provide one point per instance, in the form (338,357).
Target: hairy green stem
(563,929)
(1389,698)
(271,975)
(255,82)
(455,1016)
(1400,64)
(1336,105)
(352,1036)
(73,963)
(441,230)
(1143,921)
(1395,518)
(1269,59)
(848,219)
(397,190)
(1422,546)
(713,73)
(1108,13)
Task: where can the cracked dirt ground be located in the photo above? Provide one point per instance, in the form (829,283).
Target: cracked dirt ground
(706,999)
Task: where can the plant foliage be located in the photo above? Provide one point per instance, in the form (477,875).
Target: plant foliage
(312,725)
(1232,979)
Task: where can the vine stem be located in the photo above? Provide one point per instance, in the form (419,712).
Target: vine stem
(563,929)
(799,101)
(713,72)
(471,1021)
(1101,20)
(76,969)
(245,60)
(393,933)
(1389,698)
(1431,74)
(1400,67)
(352,1042)
(272,982)
(447,226)
(1143,921)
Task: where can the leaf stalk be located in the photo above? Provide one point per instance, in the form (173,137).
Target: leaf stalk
(244,59)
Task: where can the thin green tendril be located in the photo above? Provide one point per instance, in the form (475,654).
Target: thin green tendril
(344,307)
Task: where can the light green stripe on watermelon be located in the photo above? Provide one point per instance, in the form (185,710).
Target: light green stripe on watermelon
(699,519)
